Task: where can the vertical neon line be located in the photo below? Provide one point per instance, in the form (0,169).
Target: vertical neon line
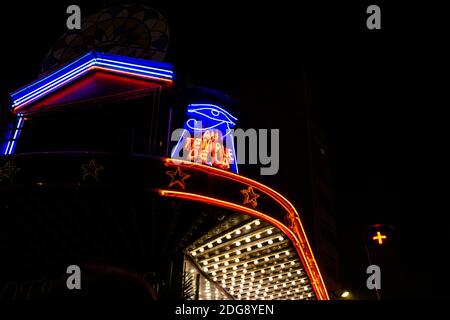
(169,127)
(235,164)
(178,143)
(12,142)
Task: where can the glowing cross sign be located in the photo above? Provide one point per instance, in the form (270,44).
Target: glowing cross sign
(207,137)
(379,237)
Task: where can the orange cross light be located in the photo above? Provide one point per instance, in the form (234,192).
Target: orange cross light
(379,237)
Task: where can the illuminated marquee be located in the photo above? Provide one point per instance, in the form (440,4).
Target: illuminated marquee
(207,137)
(158,72)
(93,60)
(185,182)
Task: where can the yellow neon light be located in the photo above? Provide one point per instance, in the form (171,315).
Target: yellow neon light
(379,237)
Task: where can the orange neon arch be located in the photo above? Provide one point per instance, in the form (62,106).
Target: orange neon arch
(296,233)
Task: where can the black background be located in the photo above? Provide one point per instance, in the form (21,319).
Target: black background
(376,93)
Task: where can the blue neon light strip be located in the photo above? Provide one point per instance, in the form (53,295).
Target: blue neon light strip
(216,117)
(158,71)
(15,134)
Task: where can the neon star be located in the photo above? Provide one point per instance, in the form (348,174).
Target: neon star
(379,237)
(8,171)
(91,170)
(178,178)
(250,196)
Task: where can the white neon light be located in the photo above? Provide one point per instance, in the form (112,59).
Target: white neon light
(51,85)
(134,69)
(135,65)
(33,95)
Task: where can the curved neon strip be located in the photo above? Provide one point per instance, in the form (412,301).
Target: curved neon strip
(255,213)
(281,200)
(211,118)
(208,128)
(228,120)
(211,105)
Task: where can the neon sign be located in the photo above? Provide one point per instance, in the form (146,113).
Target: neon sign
(207,137)
(93,60)
(379,237)
(13,135)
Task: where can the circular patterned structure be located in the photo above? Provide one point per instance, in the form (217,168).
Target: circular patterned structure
(130,30)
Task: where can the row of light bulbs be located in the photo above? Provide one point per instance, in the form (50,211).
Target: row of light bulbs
(246,264)
(263,273)
(224,267)
(268,285)
(288,286)
(228,236)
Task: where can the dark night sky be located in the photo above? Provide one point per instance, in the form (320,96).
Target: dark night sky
(370,91)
